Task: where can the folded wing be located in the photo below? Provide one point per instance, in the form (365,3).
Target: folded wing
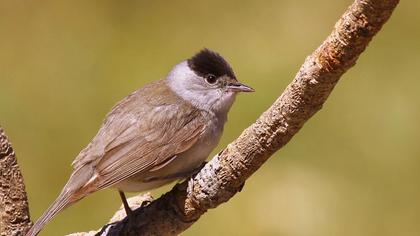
(141,132)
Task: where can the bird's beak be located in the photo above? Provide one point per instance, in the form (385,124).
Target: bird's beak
(236,86)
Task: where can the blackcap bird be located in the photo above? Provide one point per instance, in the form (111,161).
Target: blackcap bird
(159,133)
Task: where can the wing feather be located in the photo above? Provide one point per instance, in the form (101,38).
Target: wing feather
(141,132)
(139,157)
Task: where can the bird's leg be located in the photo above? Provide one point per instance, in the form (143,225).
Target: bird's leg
(127,208)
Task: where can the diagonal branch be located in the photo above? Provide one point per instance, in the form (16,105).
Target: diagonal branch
(14,212)
(226,173)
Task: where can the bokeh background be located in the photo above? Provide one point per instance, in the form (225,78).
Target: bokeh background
(354,169)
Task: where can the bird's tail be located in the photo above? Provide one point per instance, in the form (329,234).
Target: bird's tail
(62,201)
(71,193)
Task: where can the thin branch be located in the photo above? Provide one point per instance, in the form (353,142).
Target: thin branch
(14,211)
(226,173)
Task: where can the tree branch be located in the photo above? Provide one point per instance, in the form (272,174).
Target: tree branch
(14,211)
(226,173)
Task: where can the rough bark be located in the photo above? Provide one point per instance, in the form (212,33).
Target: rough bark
(14,212)
(225,174)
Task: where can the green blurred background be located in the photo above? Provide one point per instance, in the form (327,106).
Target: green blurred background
(354,169)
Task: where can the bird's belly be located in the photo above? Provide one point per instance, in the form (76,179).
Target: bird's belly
(136,185)
(180,167)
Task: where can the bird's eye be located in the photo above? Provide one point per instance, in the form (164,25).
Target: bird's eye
(211,79)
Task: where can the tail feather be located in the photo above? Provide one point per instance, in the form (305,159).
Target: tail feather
(71,193)
(59,204)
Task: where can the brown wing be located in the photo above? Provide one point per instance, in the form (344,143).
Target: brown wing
(141,132)
(141,154)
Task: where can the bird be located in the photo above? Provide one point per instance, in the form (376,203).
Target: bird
(158,134)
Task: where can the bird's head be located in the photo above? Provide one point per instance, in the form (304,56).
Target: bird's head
(207,81)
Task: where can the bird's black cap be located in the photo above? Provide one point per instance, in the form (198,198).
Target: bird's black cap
(208,62)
